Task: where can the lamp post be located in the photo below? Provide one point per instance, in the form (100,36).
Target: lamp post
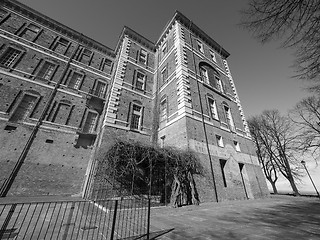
(304,164)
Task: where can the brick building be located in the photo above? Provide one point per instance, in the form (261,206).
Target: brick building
(65,96)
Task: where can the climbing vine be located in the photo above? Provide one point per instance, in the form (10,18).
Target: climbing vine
(134,168)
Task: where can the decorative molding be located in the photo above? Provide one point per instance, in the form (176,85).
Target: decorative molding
(245,124)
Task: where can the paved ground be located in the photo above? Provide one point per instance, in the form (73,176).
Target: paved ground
(277,217)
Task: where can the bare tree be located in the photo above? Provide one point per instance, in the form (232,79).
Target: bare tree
(277,136)
(296,22)
(306,115)
(265,159)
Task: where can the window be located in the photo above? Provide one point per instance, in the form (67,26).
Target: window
(164,49)
(62,113)
(219,141)
(213,108)
(143,56)
(106,64)
(100,89)
(30,32)
(200,46)
(213,56)
(61,45)
(47,71)
(90,123)
(140,81)
(219,83)
(24,109)
(237,146)
(222,166)
(136,117)
(85,56)
(75,80)
(210,76)
(10,57)
(204,74)
(163,109)
(229,117)
(164,75)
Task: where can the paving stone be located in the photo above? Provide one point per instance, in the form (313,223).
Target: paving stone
(277,217)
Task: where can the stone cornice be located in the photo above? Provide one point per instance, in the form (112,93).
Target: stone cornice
(126,31)
(195,29)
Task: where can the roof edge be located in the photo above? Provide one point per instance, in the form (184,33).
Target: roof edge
(178,16)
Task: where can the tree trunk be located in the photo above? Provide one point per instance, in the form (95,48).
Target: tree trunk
(293,185)
(175,193)
(290,177)
(274,188)
(194,192)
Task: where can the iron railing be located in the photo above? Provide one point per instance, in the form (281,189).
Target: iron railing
(120,218)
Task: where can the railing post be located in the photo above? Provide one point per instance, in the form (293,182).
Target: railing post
(114,219)
(148,219)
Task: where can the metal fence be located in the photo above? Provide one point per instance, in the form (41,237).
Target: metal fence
(121,218)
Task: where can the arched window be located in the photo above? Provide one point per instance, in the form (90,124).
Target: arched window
(210,76)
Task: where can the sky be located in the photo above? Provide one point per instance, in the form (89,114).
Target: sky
(262,73)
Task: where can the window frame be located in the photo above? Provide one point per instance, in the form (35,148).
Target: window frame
(104,65)
(132,113)
(219,83)
(204,75)
(56,111)
(143,58)
(58,42)
(164,75)
(16,59)
(219,140)
(237,146)
(94,90)
(228,116)
(71,74)
(200,46)
(164,49)
(27,28)
(90,111)
(31,111)
(223,164)
(41,66)
(83,53)
(213,56)
(137,79)
(214,115)
(163,117)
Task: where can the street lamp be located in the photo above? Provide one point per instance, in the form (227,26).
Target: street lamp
(304,164)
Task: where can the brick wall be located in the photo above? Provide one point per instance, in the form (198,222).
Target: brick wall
(57,160)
